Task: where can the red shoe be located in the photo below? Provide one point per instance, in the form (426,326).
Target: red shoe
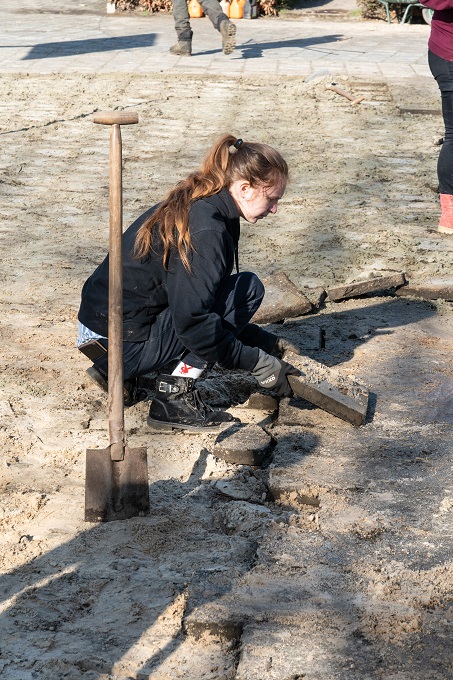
(446,219)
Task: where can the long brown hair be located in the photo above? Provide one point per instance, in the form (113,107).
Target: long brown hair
(257,164)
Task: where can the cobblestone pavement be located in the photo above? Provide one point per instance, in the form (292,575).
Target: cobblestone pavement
(83,38)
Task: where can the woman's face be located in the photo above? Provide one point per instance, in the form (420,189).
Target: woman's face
(257,202)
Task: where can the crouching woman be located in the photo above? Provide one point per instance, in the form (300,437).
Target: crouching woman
(182,303)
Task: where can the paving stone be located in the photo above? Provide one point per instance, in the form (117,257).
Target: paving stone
(243,445)
(209,620)
(261,402)
(299,412)
(245,489)
(315,295)
(378,284)
(428,291)
(329,389)
(282,300)
(40,52)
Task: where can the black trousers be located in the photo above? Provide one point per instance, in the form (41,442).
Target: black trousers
(442,71)
(237,300)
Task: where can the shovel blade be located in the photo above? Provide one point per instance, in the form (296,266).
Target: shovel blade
(116,489)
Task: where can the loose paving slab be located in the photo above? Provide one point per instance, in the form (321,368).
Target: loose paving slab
(248,487)
(428,291)
(379,284)
(315,295)
(243,445)
(329,389)
(261,402)
(282,300)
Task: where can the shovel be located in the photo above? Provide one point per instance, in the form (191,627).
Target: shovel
(116,478)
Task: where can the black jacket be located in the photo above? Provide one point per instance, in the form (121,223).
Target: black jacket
(149,288)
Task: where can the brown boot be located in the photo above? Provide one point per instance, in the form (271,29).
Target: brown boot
(228,32)
(446,219)
(183,48)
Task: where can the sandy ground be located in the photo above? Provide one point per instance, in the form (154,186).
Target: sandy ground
(333,561)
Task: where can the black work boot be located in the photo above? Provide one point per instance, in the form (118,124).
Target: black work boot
(178,405)
(183,48)
(228,32)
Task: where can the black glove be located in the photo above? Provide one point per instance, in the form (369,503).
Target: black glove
(271,373)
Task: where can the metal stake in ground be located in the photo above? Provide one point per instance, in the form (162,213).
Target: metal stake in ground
(116,481)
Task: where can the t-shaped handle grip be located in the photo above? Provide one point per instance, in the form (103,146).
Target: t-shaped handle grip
(116,118)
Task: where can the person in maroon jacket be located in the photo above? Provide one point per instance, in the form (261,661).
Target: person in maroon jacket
(440,59)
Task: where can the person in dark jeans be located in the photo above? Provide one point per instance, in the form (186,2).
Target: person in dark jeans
(218,18)
(440,59)
(182,303)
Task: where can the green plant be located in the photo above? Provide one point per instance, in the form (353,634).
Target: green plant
(372,9)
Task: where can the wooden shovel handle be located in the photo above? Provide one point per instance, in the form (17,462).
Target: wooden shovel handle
(115,325)
(116,118)
(338,90)
(115,331)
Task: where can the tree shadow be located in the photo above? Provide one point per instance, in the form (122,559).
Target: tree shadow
(181,554)
(346,330)
(72,48)
(380,524)
(255,50)
(184,555)
(177,557)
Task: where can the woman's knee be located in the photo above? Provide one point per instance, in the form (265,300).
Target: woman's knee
(251,285)
(238,298)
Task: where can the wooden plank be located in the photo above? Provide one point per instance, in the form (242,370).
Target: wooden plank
(420,112)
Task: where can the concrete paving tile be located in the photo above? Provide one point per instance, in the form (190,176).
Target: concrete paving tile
(250,67)
(363,69)
(284,70)
(8,53)
(422,70)
(396,70)
(376,57)
(270,45)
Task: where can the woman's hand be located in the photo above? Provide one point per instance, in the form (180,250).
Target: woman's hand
(272,374)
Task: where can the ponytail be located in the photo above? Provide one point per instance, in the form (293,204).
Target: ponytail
(225,162)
